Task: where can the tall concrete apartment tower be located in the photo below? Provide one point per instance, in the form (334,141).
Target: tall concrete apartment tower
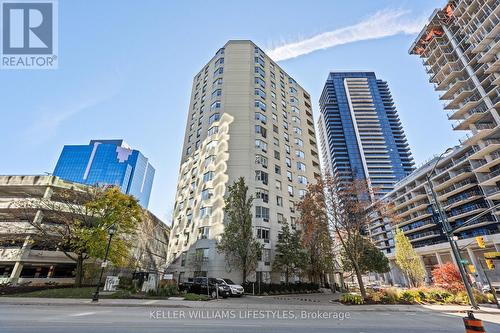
(360,131)
(460,50)
(247,118)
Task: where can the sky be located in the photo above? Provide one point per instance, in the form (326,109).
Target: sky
(126,69)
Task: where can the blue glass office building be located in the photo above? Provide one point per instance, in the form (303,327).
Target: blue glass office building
(108,162)
(360,131)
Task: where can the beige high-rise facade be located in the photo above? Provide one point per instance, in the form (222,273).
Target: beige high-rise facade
(247,118)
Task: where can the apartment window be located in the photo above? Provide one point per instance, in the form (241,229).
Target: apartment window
(261,130)
(219,62)
(301,166)
(302,180)
(287,149)
(188,150)
(203,232)
(183,258)
(262,194)
(261,176)
(260,82)
(280,218)
(285,124)
(206,194)
(276,154)
(212,144)
(218,82)
(284,114)
(299,142)
(292,208)
(290,190)
(277,169)
(275,117)
(213,130)
(278,185)
(219,71)
(260,61)
(299,153)
(286,136)
(217,93)
(289,176)
(208,176)
(273,105)
(260,92)
(263,233)
(288,162)
(193,186)
(259,144)
(273,96)
(262,160)
(215,105)
(279,201)
(296,120)
(203,255)
(208,160)
(261,105)
(196,146)
(293,90)
(190,138)
(266,257)
(275,129)
(302,194)
(262,212)
(295,109)
(205,212)
(259,70)
(213,118)
(297,130)
(260,117)
(276,142)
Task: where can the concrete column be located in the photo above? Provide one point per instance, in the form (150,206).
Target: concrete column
(477,266)
(18,266)
(439,260)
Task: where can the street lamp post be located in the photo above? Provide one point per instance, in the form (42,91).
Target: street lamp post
(111,232)
(448,230)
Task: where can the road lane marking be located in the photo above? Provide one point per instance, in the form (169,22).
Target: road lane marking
(81,314)
(151,302)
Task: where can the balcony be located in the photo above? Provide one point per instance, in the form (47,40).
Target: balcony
(466,211)
(489,146)
(471,116)
(492,193)
(489,179)
(424,235)
(456,188)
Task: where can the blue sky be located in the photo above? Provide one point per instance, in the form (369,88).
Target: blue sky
(126,67)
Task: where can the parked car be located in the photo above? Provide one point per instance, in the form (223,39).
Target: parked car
(236,289)
(201,284)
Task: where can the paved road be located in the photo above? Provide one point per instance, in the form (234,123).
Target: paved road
(88,318)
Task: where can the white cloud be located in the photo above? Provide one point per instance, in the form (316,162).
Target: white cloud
(382,24)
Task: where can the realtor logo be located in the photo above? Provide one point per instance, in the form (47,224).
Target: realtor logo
(29,34)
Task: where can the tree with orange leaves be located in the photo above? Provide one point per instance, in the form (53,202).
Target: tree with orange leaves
(316,237)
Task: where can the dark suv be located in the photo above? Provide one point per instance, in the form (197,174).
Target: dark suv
(200,286)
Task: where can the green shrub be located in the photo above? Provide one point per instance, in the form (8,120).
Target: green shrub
(351,299)
(408,297)
(195,297)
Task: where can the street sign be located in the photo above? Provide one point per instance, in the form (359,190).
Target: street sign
(492,255)
(464,261)
(168,277)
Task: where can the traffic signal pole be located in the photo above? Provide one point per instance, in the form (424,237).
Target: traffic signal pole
(448,231)
(493,291)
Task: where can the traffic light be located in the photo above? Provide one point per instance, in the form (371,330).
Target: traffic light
(472,269)
(480,242)
(490,264)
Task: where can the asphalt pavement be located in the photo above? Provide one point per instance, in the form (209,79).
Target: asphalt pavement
(261,315)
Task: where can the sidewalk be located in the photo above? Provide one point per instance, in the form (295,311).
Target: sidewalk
(229,303)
